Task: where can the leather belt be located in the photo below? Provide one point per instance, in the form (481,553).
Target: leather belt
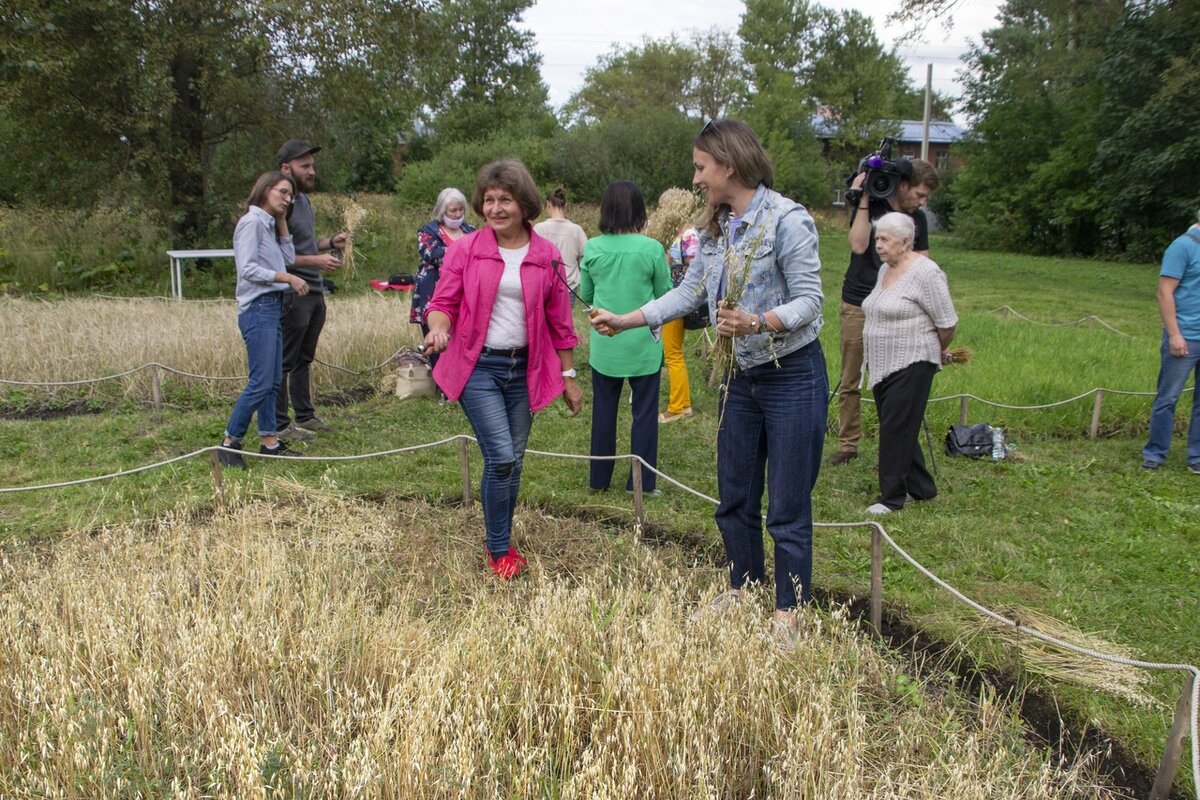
(513,352)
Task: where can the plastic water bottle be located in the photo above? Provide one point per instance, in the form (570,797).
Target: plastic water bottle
(998,450)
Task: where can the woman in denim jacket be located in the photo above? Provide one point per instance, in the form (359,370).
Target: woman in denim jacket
(759,272)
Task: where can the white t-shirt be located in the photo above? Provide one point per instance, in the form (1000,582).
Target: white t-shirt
(506,329)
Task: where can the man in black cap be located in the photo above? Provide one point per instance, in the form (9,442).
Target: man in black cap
(303,316)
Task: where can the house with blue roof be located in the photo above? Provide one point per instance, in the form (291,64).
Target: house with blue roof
(942,137)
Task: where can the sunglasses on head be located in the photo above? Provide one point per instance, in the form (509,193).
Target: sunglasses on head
(708,127)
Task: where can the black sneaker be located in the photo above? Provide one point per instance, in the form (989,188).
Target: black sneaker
(313,425)
(1150,466)
(295,433)
(280,449)
(231,459)
(841,457)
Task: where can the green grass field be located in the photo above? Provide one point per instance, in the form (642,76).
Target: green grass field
(1071,528)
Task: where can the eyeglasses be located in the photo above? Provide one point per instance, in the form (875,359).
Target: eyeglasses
(282,191)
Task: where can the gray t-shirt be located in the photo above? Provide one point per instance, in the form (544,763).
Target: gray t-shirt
(302,224)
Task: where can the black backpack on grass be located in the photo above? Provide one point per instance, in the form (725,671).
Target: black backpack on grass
(972,441)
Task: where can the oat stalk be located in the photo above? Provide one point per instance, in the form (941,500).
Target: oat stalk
(736,266)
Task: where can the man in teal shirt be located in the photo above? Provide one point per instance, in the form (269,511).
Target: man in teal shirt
(1179,305)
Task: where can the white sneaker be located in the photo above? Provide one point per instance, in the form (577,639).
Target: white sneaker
(785,629)
(878,509)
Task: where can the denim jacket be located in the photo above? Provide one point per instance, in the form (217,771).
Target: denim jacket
(784,277)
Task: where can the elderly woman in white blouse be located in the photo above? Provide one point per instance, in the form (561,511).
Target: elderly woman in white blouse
(910,321)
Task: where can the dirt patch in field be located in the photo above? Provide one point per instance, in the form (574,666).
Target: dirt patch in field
(59,409)
(72,408)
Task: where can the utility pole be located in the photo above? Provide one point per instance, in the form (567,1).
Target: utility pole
(928,112)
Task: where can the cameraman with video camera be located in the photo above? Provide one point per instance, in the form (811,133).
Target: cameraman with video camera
(881,186)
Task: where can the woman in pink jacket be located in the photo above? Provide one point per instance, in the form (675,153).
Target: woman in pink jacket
(503,318)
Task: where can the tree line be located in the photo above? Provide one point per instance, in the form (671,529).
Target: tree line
(1083,112)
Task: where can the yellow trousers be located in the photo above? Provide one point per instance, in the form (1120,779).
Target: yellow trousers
(680,397)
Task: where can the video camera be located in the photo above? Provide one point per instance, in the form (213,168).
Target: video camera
(883,174)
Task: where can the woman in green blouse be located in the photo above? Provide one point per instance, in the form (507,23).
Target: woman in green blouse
(622,270)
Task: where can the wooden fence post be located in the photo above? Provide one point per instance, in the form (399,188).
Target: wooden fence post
(1173,749)
(156,395)
(962,409)
(876,579)
(218,479)
(639,512)
(1095,429)
(464,465)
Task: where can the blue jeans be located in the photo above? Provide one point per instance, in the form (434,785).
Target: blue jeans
(1172,376)
(263,335)
(771,434)
(496,402)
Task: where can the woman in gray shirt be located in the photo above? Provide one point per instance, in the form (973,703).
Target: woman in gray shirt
(910,321)
(262,249)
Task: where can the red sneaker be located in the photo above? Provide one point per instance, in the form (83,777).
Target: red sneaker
(512,552)
(506,566)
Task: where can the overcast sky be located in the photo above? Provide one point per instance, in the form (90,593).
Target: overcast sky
(572,34)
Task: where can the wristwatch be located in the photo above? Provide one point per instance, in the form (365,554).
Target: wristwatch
(569,373)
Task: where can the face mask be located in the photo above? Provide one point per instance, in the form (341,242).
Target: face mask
(453,224)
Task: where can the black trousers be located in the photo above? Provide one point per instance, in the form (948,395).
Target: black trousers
(302,320)
(900,401)
(643,440)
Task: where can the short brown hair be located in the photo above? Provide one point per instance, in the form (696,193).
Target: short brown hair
(511,176)
(924,174)
(733,144)
(265,183)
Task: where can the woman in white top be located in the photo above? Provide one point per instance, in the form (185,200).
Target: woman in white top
(502,314)
(569,238)
(910,321)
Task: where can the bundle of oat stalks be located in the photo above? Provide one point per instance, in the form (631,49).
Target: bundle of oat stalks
(676,209)
(960,355)
(1052,662)
(352,217)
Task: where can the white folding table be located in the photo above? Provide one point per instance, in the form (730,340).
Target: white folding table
(179,256)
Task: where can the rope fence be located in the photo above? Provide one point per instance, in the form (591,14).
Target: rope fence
(156,392)
(1184,723)
(154,368)
(1007,311)
(1097,395)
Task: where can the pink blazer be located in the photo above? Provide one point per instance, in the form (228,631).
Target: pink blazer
(466,291)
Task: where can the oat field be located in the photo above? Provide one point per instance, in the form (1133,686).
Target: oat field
(91,337)
(304,645)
